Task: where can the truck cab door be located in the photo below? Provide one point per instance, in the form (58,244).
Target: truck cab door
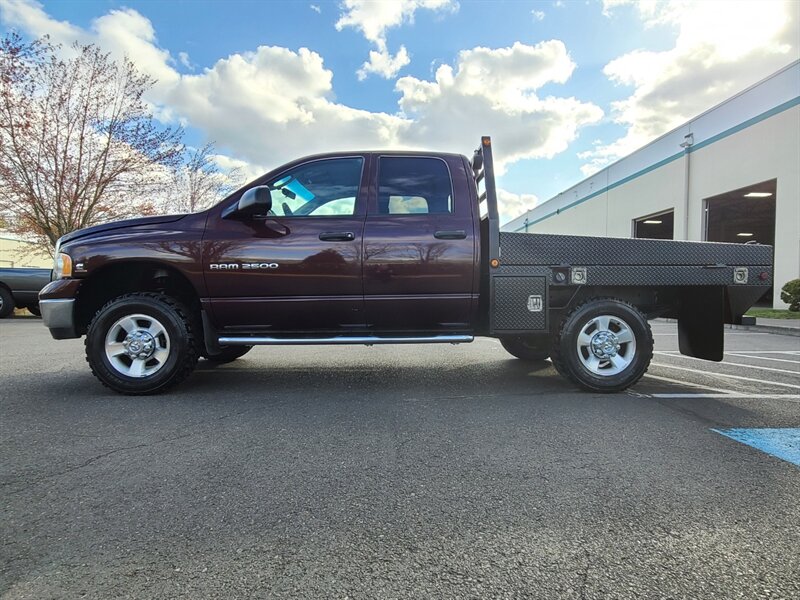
(297,268)
(420,255)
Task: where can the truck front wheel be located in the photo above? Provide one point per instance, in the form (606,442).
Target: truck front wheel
(604,345)
(526,348)
(141,343)
(6,302)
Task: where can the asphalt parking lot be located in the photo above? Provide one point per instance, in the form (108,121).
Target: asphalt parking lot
(399,472)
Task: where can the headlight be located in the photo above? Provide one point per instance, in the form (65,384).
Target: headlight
(63,266)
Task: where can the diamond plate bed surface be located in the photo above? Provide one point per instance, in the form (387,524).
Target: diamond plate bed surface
(546,249)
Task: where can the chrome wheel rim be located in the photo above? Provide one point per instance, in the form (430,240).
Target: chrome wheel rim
(606,345)
(137,345)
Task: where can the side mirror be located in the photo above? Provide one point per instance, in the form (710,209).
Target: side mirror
(255,201)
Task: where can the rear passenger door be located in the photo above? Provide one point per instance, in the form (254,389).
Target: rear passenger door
(419,248)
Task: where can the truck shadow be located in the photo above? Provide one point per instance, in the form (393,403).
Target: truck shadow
(360,378)
(356,386)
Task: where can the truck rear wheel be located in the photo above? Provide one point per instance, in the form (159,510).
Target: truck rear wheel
(526,347)
(604,345)
(141,343)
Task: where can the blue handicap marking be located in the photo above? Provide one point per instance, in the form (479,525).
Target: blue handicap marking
(783,443)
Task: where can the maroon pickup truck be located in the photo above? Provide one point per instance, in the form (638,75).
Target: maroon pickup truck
(383,248)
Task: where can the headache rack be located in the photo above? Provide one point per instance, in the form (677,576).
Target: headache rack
(483,171)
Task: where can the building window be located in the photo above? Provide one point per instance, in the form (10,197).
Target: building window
(743,215)
(655,227)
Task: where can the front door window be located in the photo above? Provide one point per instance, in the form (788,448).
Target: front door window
(320,188)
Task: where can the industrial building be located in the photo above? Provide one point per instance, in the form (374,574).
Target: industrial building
(16,252)
(732,174)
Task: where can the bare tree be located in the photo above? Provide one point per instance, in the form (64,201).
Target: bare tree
(78,143)
(200,182)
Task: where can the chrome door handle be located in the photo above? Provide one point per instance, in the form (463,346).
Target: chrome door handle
(337,236)
(459,234)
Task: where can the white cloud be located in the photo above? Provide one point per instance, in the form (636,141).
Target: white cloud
(121,32)
(317,9)
(538,15)
(274,104)
(30,17)
(184,59)
(248,170)
(494,91)
(718,51)
(373,19)
(511,205)
(382,63)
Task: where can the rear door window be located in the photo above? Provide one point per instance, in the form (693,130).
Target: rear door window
(411,185)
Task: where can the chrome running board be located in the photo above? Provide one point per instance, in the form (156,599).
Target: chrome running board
(341,340)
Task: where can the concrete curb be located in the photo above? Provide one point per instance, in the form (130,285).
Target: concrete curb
(791,331)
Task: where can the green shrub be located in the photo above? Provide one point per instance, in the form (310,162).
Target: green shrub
(790,293)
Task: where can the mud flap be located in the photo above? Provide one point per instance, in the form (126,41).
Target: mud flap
(701,331)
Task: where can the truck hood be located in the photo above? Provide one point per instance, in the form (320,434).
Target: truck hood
(140,222)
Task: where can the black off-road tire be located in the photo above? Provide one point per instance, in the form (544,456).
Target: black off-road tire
(571,361)
(227,354)
(529,348)
(178,325)
(34,310)
(6,302)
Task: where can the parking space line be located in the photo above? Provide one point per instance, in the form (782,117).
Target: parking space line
(687,384)
(740,355)
(725,375)
(740,365)
(711,392)
(732,396)
(789,352)
(727,333)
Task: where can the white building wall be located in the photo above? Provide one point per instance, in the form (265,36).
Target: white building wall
(767,150)
(753,137)
(19,253)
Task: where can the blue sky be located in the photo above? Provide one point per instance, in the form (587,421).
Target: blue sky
(564,87)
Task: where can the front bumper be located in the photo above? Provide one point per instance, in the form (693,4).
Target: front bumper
(58,305)
(59,317)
